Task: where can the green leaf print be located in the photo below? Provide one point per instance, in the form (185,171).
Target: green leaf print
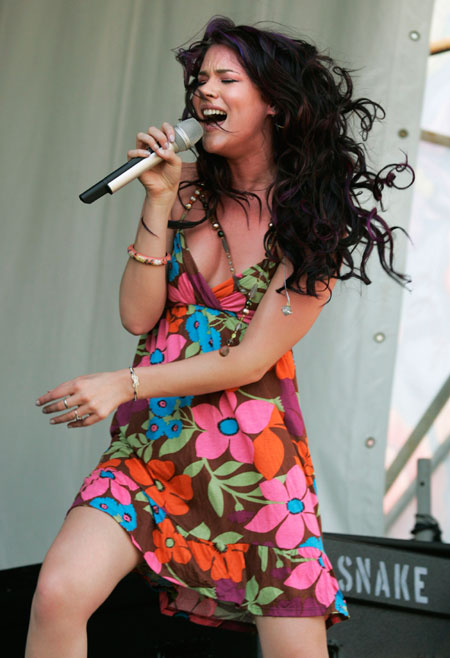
(227,468)
(141,496)
(136,440)
(118,450)
(192,350)
(238,507)
(215,496)
(254,609)
(201,531)
(173,445)
(263,552)
(228,537)
(193,469)
(147,453)
(206,591)
(268,594)
(244,479)
(251,589)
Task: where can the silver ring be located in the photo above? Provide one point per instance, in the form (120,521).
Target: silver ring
(77,417)
(65,403)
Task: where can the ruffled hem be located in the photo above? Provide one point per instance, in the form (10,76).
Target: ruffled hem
(187,589)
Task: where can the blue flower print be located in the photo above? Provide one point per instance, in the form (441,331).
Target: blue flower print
(156,357)
(173,269)
(174,266)
(163,407)
(126,513)
(176,249)
(156,429)
(210,342)
(313,542)
(340,603)
(174,427)
(157,511)
(197,326)
(185,401)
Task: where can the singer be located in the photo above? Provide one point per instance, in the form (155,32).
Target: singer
(208,487)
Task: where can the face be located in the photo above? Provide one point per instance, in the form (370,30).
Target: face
(240,120)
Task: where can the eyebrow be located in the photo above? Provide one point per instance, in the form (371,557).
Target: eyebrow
(219,71)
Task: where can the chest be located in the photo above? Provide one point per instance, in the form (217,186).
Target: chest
(244,237)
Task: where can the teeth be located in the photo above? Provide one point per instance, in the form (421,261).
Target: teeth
(209,113)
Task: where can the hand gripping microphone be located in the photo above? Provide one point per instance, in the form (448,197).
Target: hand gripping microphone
(187,133)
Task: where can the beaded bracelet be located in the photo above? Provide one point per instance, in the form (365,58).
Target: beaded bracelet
(147,260)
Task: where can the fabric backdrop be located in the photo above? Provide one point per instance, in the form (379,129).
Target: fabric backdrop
(78,80)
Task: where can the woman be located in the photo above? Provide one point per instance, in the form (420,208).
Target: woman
(209,472)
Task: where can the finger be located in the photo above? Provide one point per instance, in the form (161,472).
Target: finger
(159,138)
(169,131)
(56,393)
(138,153)
(85,421)
(75,415)
(67,403)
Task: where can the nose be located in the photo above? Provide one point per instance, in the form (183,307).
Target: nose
(208,90)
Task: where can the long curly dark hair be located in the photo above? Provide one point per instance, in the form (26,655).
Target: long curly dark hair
(321,171)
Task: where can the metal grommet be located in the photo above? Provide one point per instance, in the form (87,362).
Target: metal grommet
(379,337)
(414,35)
(403,133)
(370,442)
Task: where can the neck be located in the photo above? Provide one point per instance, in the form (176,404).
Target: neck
(252,173)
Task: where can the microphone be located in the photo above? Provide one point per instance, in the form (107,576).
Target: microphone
(187,133)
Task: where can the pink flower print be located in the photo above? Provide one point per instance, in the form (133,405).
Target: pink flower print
(317,568)
(183,293)
(152,561)
(234,302)
(103,479)
(229,426)
(293,504)
(164,347)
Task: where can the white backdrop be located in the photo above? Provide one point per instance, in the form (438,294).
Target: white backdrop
(78,80)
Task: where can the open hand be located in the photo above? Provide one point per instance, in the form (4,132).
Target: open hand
(88,399)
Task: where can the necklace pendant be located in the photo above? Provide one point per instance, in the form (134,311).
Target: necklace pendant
(286,310)
(224,350)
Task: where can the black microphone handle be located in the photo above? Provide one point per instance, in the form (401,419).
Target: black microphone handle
(101,188)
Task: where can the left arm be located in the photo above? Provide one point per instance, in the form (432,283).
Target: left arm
(269,335)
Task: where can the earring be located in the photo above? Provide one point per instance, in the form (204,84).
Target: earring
(286,310)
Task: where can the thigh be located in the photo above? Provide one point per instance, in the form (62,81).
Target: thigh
(89,556)
(292,637)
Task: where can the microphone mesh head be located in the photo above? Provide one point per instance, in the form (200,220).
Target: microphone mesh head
(187,133)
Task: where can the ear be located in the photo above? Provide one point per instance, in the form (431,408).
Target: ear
(271,111)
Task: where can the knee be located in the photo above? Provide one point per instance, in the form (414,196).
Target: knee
(56,597)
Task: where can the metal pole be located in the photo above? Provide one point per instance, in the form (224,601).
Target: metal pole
(423,492)
(417,434)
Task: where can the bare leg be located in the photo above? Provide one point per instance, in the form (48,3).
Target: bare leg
(89,556)
(292,637)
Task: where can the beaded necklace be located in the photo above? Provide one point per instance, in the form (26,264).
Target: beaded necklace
(286,310)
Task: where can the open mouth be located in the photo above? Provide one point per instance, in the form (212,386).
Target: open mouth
(213,116)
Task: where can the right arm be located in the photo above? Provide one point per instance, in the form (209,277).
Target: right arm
(143,288)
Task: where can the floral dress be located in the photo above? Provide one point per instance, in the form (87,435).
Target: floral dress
(217,491)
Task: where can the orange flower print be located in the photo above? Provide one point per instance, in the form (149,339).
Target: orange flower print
(169,491)
(305,461)
(285,366)
(175,317)
(269,449)
(225,561)
(170,545)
